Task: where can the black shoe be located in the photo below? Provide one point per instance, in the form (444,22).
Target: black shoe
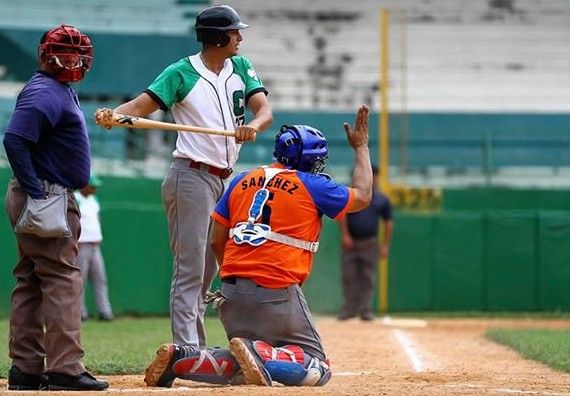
(81,382)
(345,316)
(159,371)
(20,381)
(367,316)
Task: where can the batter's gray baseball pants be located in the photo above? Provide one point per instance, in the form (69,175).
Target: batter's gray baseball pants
(189,196)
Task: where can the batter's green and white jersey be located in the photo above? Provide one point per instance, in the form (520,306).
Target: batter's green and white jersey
(199,97)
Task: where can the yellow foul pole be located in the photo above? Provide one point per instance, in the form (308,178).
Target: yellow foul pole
(383,145)
(383,130)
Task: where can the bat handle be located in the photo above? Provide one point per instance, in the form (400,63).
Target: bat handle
(103,117)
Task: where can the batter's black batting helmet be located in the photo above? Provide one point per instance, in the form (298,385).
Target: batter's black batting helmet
(213,22)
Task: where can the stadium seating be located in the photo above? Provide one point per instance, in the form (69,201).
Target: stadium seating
(125,16)
(474,86)
(445,55)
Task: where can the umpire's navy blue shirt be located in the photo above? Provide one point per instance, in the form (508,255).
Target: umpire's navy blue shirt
(364,224)
(49,128)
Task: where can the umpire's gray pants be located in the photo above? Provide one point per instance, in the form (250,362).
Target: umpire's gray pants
(277,316)
(189,196)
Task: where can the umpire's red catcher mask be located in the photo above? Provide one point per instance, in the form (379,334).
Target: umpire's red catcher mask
(65,53)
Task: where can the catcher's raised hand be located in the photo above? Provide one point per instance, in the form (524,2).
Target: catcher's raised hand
(358,136)
(103,116)
(245,133)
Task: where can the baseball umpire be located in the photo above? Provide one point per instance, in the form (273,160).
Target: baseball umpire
(266,231)
(48,149)
(209,89)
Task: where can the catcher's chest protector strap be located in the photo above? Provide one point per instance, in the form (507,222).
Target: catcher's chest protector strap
(256,234)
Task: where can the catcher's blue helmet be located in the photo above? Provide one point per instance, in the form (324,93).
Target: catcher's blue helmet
(301,147)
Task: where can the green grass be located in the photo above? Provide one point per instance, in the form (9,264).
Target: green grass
(551,347)
(124,346)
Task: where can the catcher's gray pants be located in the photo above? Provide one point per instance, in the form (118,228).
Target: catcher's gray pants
(189,196)
(90,260)
(277,316)
(358,273)
(45,315)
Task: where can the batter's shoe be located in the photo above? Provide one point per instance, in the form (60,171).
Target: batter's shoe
(159,372)
(250,362)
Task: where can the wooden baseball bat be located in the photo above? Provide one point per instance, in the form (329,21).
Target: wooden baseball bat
(127,121)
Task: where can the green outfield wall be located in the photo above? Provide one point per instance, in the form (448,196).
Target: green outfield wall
(487,258)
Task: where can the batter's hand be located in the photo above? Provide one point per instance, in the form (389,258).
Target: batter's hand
(245,133)
(103,116)
(358,136)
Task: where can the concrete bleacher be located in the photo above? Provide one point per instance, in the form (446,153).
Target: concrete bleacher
(445,55)
(125,16)
(483,85)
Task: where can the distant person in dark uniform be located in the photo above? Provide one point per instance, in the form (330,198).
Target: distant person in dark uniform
(47,146)
(360,251)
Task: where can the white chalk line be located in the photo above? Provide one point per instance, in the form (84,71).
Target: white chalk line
(411,352)
(408,347)
(402,322)
(507,390)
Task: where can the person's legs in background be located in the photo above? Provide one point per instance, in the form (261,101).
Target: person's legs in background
(83,261)
(98,277)
(367,273)
(349,274)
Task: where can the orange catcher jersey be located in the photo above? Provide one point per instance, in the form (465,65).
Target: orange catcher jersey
(294,207)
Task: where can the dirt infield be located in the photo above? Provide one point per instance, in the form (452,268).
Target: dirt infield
(402,357)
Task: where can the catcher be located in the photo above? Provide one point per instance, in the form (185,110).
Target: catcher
(266,231)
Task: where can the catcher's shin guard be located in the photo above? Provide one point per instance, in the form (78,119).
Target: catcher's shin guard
(212,365)
(291,366)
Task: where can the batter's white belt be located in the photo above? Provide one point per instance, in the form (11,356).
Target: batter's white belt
(265,233)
